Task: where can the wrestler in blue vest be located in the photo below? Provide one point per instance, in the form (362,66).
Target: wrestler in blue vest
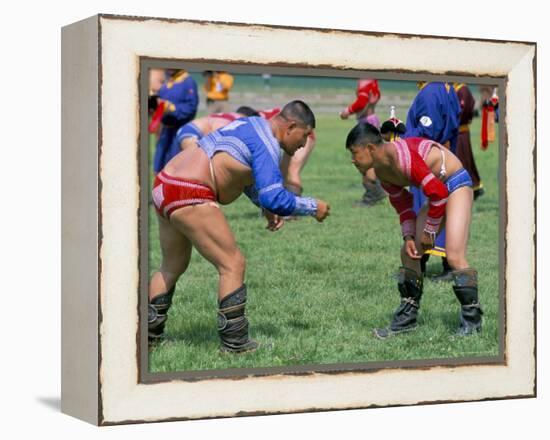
(251,142)
(181,94)
(434,114)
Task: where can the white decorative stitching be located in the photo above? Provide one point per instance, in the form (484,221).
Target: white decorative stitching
(165,179)
(404,156)
(179,203)
(270,188)
(438,202)
(395,195)
(158,195)
(265,134)
(427,179)
(305,206)
(424,148)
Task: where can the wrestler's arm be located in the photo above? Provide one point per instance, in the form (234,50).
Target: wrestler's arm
(435,191)
(359,104)
(402,202)
(271,193)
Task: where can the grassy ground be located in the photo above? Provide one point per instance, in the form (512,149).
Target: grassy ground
(316,291)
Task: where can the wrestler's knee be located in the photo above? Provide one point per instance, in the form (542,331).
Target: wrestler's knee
(456,259)
(233,264)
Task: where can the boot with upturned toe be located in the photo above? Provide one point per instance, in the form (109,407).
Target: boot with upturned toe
(404,319)
(465,288)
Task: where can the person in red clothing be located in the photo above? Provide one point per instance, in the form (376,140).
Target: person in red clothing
(368,95)
(447,185)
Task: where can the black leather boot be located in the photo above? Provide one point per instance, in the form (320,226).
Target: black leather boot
(410,287)
(465,288)
(157,314)
(233,324)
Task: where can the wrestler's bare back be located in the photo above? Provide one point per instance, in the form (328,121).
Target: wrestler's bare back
(208,124)
(231,176)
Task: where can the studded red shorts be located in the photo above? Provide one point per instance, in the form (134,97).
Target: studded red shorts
(171,193)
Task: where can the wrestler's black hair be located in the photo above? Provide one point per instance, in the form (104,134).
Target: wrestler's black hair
(298,111)
(247,111)
(363,134)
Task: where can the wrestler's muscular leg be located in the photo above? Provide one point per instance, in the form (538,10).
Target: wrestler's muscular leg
(207,229)
(458,217)
(459,208)
(176,253)
(410,286)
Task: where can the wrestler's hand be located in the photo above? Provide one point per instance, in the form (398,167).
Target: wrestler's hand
(344,114)
(274,221)
(410,249)
(323,210)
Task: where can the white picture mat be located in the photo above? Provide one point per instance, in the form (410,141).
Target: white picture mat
(123,42)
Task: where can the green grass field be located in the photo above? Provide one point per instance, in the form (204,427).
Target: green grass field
(316,291)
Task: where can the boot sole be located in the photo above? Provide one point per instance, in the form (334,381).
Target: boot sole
(227,350)
(390,332)
(464,334)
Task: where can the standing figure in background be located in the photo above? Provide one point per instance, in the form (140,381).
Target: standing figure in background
(156,80)
(434,114)
(464,145)
(368,95)
(489,115)
(217,86)
(179,99)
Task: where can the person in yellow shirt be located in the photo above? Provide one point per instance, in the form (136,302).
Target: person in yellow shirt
(217,86)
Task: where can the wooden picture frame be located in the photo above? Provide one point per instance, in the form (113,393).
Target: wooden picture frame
(103,343)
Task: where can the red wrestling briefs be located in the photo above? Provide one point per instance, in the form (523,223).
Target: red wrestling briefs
(171,193)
